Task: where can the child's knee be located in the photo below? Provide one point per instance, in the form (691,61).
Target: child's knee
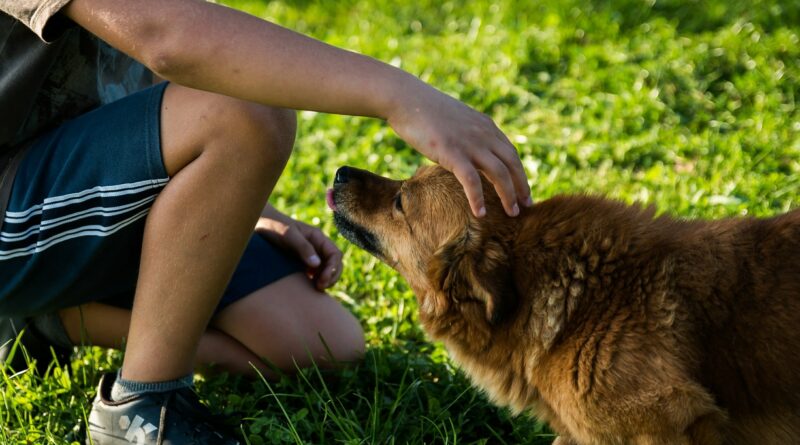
(241,133)
(269,131)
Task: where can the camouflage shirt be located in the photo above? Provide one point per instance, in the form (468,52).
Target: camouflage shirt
(52,70)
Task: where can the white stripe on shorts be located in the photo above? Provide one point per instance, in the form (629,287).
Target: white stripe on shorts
(86,213)
(78,197)
(90,230)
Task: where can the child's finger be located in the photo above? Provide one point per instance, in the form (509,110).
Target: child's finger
(325,279)
(302,246)
(471,181)
(498,174)
(331,271)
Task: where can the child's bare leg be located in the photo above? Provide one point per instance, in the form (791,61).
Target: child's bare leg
(107,326)
(224,156)
(280,321)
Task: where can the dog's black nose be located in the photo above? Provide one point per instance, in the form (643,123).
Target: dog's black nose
(342,175)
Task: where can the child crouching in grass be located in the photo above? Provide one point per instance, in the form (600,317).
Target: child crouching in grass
(139,212)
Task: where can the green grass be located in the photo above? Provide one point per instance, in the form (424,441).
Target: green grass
(691,106)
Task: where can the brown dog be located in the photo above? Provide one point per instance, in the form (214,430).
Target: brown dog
(614,326)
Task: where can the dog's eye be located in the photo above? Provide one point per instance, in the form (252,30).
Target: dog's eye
(398,202)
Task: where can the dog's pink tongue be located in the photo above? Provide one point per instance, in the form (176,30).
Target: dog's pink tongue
(329,199)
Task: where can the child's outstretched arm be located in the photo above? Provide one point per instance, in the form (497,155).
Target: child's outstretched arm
(214,48)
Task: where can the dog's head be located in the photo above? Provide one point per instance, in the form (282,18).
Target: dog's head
(457,264)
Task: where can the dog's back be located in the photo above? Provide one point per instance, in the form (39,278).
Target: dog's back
(749,307)
(718,299)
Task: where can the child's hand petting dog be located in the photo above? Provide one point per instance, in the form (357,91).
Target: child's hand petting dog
(464,142)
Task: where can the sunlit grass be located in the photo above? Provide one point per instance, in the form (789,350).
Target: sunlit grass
(690,106)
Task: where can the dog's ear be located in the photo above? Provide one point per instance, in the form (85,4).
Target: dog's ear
(469,267)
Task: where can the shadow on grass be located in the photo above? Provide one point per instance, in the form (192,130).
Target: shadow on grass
(407,392)
(402,394)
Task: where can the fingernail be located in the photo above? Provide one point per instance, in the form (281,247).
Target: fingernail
(481,212)
(528,201)
(515,210)
(314,260)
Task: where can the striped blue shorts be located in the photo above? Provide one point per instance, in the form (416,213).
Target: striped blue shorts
(72,232)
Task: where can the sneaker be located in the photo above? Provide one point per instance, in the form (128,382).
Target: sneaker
(170,418)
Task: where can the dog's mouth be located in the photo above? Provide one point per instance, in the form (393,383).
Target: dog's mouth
(353,232)
(330,200)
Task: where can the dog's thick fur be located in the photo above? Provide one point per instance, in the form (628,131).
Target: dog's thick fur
(613,325)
